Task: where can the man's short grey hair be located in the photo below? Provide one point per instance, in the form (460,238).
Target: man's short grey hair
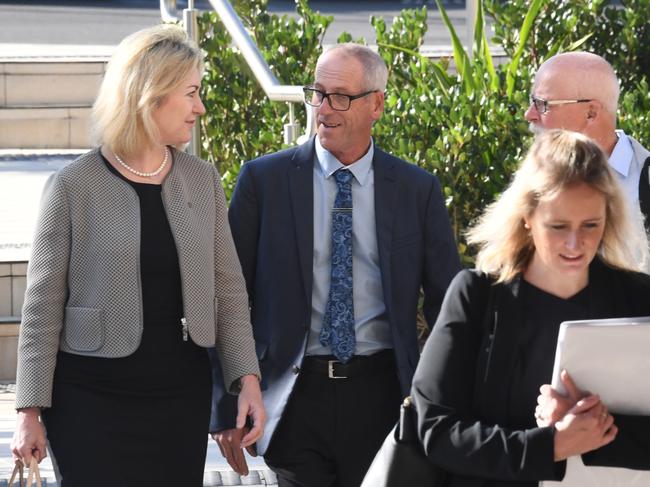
(375,72)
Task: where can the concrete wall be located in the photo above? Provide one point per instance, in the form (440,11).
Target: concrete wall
(12,287)
(12,291)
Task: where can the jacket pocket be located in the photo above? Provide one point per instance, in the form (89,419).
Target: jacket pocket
(84,329)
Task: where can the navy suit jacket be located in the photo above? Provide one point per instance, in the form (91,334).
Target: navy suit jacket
(271,217)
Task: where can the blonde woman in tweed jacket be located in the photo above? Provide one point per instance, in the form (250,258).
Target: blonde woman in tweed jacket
(133,277)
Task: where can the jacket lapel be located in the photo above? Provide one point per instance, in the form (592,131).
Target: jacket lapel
(385,195)
(508,317)
(189,231)
(301,189)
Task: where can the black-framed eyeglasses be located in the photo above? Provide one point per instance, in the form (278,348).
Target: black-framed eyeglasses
(338,101)
(541,105)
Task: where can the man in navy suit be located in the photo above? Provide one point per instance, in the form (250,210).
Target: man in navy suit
(334,265)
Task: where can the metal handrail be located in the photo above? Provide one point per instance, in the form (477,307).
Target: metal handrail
(258,65)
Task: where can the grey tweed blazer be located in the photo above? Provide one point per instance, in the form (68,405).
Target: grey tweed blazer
(83,280)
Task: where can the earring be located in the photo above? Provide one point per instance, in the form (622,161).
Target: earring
(526,226)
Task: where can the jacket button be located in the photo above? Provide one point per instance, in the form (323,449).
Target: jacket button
(295,369)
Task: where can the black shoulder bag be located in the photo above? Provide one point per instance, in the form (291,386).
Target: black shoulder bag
(401,460)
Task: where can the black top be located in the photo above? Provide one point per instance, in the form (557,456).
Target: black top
(160,275)
(543,314)
(162,299)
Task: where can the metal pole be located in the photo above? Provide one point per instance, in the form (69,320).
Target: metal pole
(191,27)
(291,129)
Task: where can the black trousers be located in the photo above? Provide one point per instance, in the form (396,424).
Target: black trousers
(332,428)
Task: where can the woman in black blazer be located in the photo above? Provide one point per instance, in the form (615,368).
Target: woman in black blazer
(558,245)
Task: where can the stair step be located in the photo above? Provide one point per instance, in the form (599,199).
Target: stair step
(42,83)
(45,127)
(46,94)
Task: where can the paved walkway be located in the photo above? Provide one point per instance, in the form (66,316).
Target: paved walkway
(217,471)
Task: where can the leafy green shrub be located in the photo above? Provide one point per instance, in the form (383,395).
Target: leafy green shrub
(463,121)
(619,33)
(467,128)
(240,122)
(634,112)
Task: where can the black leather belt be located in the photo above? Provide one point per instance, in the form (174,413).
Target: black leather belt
(328,366)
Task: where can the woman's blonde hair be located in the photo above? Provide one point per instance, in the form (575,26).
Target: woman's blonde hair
(146,67)
(557,159)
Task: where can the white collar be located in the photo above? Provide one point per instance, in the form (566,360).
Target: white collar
(622,155)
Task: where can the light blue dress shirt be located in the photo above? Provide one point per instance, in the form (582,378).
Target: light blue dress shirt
(370,319)
(626,167)
(628,171)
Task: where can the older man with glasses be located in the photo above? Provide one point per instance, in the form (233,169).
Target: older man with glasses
(579,91)
(336,239)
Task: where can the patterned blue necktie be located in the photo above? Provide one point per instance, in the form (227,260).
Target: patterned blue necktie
(338,322)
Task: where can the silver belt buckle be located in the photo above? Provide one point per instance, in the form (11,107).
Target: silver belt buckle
(330,370)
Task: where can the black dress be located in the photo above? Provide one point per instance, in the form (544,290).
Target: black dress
(141,420)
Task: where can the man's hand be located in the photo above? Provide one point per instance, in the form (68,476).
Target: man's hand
(229,442)
(29,437)
(250,404)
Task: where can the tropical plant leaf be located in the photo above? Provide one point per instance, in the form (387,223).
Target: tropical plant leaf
(463,65)
(483,48)
(442,78)
(524,33)
(579,43)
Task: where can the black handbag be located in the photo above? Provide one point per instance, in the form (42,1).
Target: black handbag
(401,462)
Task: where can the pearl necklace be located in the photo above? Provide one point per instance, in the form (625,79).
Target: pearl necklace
(144,174)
